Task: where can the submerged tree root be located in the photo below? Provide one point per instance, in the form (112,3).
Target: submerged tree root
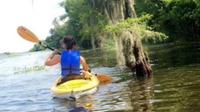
(131,53)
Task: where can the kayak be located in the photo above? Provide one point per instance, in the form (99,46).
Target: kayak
(75,88)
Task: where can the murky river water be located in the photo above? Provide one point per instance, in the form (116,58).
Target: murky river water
(175,86)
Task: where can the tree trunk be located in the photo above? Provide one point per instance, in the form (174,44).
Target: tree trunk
(130,51)
(93,42)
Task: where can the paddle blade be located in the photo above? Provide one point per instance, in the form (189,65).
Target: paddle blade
(26,34)
(104,78)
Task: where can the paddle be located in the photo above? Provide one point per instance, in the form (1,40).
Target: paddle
(28,35)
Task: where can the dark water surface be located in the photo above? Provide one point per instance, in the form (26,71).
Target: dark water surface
(175,87)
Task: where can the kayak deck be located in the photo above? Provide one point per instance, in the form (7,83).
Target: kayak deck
(76,87)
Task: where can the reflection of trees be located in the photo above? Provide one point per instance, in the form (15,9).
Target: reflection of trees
(141,92)
(100,57)
(173,55)
(179,90)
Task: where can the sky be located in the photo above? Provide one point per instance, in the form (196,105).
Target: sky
(36,15)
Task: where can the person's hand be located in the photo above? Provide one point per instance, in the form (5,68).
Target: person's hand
(86,75)
(56,51)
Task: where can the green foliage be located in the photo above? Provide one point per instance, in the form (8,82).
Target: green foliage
(85,21)
(177,18)
(138,25)
(109,44)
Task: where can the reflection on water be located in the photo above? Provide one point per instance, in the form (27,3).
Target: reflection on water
(141,95)
(175,55)
(173,88)
(178,89)
(176,77)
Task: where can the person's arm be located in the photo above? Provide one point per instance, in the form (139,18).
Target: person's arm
(85,68)
(84,63)
(53,59)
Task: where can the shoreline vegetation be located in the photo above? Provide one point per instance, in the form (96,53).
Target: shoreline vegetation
(125,25)
(172,20)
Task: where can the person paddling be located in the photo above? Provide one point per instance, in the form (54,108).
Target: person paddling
(70,60)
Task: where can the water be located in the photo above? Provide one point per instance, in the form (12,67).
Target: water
(25,83)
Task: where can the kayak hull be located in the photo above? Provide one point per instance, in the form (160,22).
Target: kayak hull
(75,88)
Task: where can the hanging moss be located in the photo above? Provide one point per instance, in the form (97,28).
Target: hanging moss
(138,25)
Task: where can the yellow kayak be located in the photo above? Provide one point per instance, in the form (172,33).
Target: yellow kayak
(75,88)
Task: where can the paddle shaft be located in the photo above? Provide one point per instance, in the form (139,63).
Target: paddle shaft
(46,46)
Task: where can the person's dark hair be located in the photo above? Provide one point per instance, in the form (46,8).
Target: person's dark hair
(69,42)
